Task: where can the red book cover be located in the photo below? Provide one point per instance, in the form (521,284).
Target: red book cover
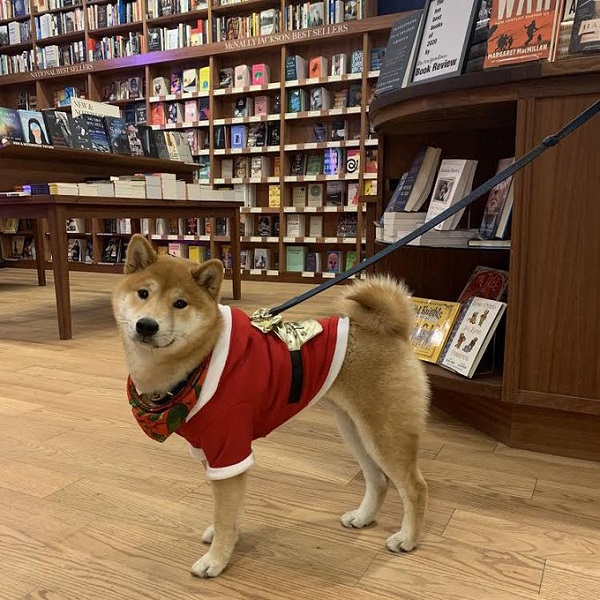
(521,31)
(485,282)
(158,114)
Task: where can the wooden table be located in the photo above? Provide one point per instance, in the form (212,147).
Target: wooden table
(56,209)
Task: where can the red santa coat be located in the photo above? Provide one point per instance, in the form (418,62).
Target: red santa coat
(245,394)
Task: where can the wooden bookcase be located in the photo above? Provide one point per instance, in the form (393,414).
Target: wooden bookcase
(295,129)
(546,394)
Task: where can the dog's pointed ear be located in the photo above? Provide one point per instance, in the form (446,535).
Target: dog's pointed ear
(209,275)
(140,254)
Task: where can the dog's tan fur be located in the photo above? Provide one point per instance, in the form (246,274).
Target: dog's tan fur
(380,397)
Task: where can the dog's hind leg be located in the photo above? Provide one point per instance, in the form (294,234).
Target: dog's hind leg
(375,480)
(228,495)
(397,453)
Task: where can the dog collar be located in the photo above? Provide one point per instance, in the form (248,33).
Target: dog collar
(160,416)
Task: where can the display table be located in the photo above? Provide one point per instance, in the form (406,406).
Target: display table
(56,209)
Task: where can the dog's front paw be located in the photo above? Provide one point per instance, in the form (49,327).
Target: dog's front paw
(399,543)
(355,519)
(209,534)
(207,566)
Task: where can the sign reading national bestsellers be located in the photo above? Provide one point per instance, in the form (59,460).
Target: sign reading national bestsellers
(445,39)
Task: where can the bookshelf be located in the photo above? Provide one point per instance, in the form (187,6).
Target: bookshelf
(295,129)
(546,394)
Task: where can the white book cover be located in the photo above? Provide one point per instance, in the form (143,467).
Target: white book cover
(315,227)
(296,225)
(448,189)
(471,335)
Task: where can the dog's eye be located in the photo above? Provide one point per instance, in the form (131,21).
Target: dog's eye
(180,304)
(143,294)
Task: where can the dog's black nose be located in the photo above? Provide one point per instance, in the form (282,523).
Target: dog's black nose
(146,327)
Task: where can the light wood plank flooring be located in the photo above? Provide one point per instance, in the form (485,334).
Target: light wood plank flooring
(90,509)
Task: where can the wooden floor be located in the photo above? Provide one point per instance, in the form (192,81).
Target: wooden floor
(92,509)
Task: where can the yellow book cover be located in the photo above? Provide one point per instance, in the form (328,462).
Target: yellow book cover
(196,253)
(274,196)
(204,79)
(434,321)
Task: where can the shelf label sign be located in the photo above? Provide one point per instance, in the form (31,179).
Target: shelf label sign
(57,71)
(285,37)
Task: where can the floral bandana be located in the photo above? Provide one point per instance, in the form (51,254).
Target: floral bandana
(159,418)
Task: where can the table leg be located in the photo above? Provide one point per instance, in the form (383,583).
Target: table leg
(40,255)
(59,246)
(236,276)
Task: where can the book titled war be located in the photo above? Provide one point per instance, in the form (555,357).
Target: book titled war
(522,31)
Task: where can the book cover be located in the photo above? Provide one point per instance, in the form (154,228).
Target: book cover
(444,40)
(112,251)
(448,189)
(81,136)
(395,70)
(135,143)
(34,127)
(295,258)
(353,162)
(471,335)
(262,258)
(586,27)
(334,262)
(499,198)
(333,162)
(485,282)
(117,135)
(58,126)
(148,139)
(10,126)
(226,77)
(433,323)
(521,31)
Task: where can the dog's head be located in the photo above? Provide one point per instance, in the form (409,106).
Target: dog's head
(166,305)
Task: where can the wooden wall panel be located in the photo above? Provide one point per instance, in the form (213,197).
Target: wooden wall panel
(559,258)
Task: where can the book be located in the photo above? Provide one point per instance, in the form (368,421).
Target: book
(299,196)
(58,126)
(485,282)
(356,61)
(296,258)
(444,38)
(190,80)
(117,135)
(242,76)
(262,258)
(432,327)
(80,134)
(377,57)
(10,126)
(295,68)
(334,262)
(34,127)
(339,64)
(471,336)
(333,163)
(586,28)
(353,162)
(396,67)
(204,79)
(416,187)
(313,262)
(112,251)
(453,182)
(521,31)
(315,194)
(261,74)
(148,140)
(498,205)
(226,77)
(318,67)
(295,225)
(243,107)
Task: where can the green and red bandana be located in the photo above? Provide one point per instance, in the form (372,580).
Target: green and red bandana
(159,418)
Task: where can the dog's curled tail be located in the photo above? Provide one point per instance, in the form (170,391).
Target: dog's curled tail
(379,304)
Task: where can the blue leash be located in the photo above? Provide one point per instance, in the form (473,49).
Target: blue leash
(530,156)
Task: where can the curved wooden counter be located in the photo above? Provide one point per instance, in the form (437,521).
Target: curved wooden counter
(546,396)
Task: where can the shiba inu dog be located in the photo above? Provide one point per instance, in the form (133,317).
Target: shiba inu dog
(209,374)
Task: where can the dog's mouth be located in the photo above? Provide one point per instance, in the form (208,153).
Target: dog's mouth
(150,342)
